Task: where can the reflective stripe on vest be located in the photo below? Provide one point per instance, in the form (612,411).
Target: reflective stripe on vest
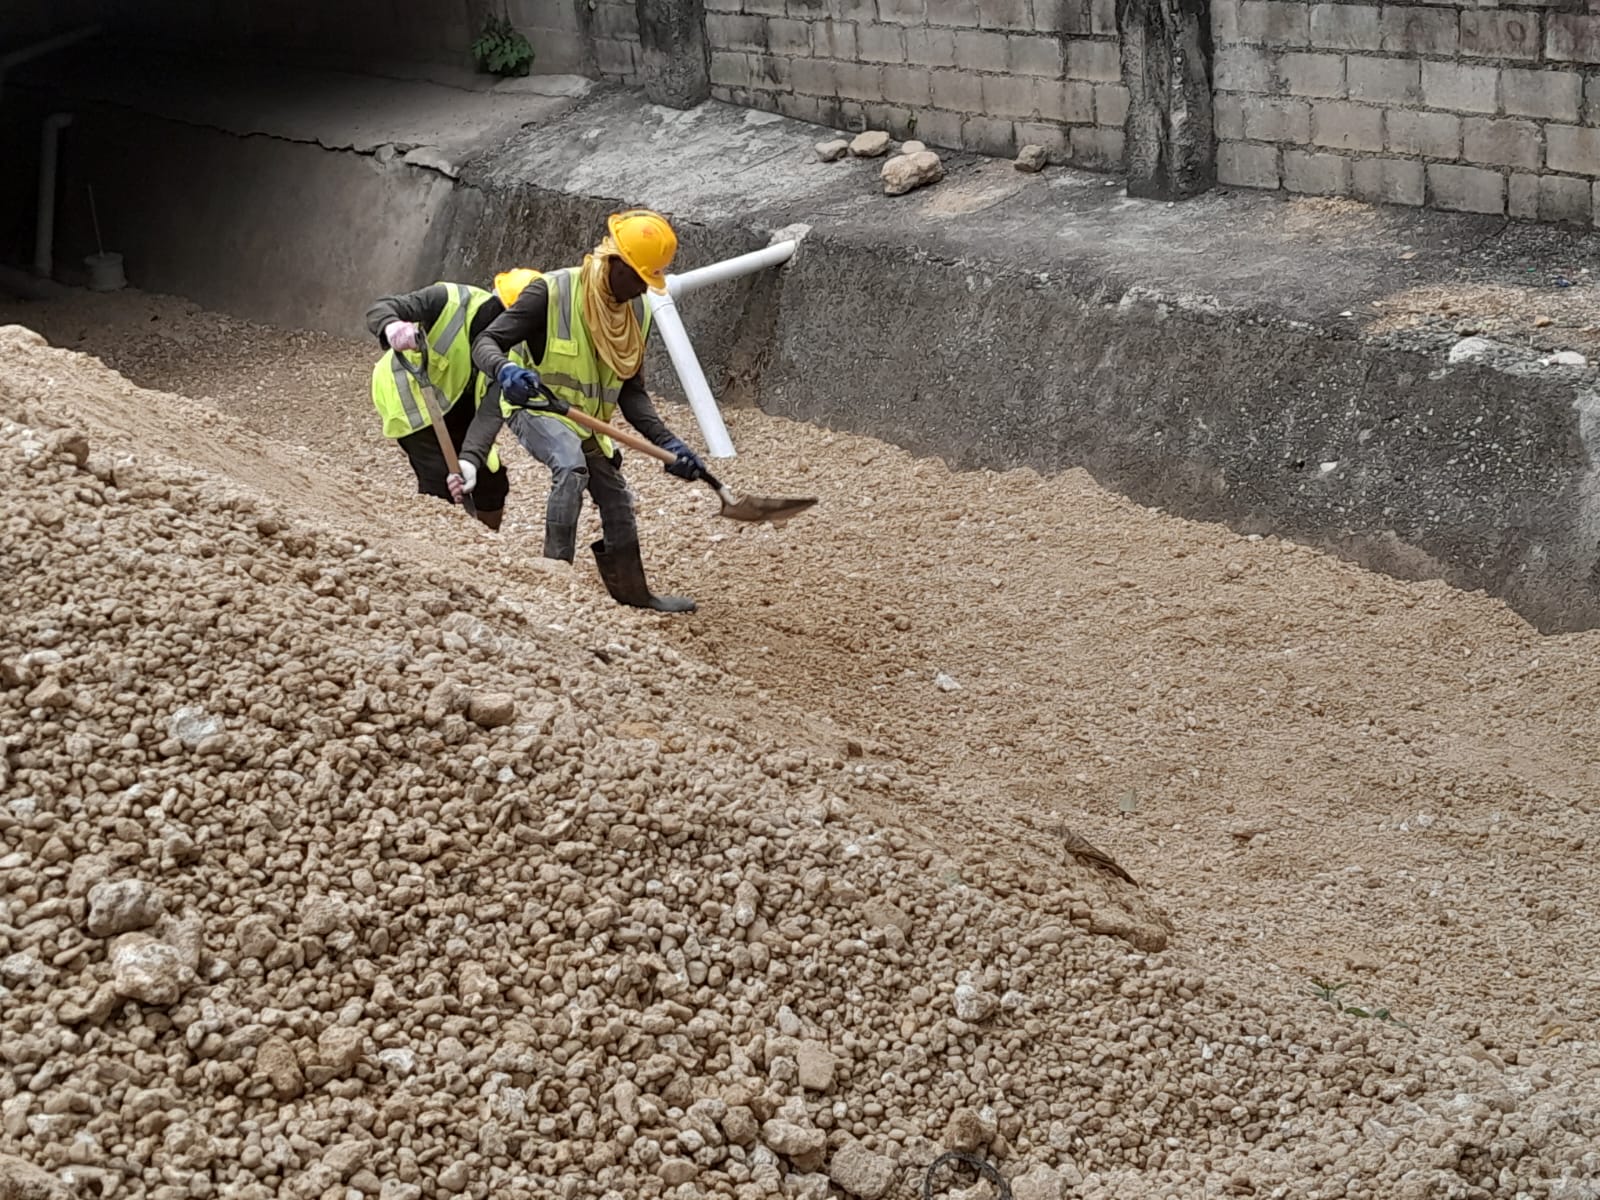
(571,368)
(398,397)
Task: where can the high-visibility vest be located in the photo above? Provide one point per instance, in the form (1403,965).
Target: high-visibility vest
(398,397)
(571,368)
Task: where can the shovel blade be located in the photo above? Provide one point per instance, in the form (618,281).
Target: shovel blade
(773,509)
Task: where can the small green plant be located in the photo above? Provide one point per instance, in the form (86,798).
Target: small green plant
(500,49)
(1329,994)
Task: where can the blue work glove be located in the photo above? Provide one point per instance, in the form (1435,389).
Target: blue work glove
(687,465)
(525,389)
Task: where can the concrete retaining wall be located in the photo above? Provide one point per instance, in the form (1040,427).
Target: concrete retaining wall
(983,75)
(1487,110)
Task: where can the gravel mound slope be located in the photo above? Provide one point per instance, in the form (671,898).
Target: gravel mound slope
(324,874)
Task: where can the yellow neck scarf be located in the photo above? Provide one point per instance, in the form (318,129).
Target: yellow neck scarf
(613,328)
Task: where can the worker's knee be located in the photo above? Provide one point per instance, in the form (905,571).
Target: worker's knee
(569,480)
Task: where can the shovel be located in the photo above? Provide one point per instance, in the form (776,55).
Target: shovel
(430,400)
(773,509)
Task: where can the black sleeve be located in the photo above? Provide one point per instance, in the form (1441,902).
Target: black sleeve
(524,321)
(484,429)
(641,413)
(421,307)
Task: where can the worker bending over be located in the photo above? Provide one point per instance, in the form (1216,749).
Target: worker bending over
(585,329)
(449,316)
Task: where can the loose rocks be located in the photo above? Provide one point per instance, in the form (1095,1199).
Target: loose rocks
(1032,159)
(123,906)
(832,151)
(909,171)
(493,710)
(872,144)
(860,1172)
(149,971)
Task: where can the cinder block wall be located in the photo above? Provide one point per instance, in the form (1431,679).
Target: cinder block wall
(1490,110)
(575,37)
(983,75)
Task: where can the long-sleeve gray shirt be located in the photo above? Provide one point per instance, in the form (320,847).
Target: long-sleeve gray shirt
(526,321)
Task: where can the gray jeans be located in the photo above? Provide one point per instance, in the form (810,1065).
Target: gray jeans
(576,464)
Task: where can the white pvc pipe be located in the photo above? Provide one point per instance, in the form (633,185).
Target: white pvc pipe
(730,268)
(45,230)
(664,314)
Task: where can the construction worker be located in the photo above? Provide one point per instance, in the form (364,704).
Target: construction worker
(450,315)
(584,329)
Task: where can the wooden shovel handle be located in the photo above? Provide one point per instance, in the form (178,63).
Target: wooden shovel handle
(632,440)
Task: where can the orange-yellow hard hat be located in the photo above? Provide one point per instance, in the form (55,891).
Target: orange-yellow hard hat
(646,243)
(508,285)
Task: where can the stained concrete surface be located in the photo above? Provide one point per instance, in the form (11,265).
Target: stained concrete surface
(1238,357)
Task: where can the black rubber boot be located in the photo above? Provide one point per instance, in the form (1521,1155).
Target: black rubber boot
(622,571)
(560,541)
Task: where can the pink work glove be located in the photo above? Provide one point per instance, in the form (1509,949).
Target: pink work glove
(401,335)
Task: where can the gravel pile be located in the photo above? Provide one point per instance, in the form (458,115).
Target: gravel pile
(324,875)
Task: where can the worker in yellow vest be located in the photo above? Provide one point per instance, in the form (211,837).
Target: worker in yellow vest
(584,329)
(448,316)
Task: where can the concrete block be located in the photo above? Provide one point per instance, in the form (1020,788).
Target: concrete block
(1345,27)
(857,81)
(834,39)
(903,12)
(813,77)
(1028,54)
(1111,105)
(1316,174)
(1311,75)
(1572,38)
(788,37)
(1062,16)
(1241,165)
(1270,119)
(1411,30)
(1549,95)
(1562,198)
(1071,102)
(1102,148)
(1238,69)
(1342,125)
(616,58)
(1225,22)
(848,10)
(731,31)
(942,129)
(1227,118)
(1466,189)
(616,21)
(957,91)
(1522,197)
(930,47)
(989,135)
(1012,96)
(1103,17)
(1572,149)
(907,85)
(1431,135)
(799,107)
(1466,89)
(766,8)
(1487,33)
(818,10)
(1384,80)
(1100,62)
(1508,143)
(881,43)
(1387,181)
(1274,22)
(953,13)
(1053,138)
(1005,14)
(978,50)
(1591,100)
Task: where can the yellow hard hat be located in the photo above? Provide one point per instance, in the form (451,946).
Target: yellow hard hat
(508,285)
(646,243)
